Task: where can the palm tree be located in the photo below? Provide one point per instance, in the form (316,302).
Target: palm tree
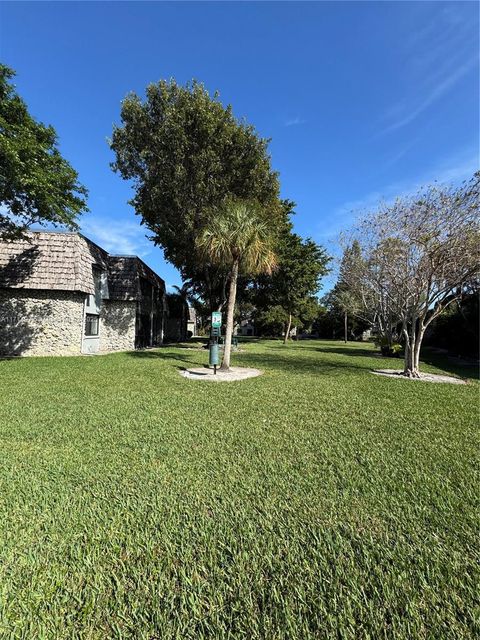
(239,240)
(184,291)
(183,295)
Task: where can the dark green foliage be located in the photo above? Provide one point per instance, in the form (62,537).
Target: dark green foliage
(37,185)
(351,268)
(324,325)
(315,502)
(458,328)
(186,153)
(331,323)
(308,312)
(271,321)
(387,348)
(176,304)
(177,316)
(301,265)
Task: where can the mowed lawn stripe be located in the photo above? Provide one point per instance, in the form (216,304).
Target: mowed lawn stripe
(316,501)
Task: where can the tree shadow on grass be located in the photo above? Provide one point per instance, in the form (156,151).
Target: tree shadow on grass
(444,362)
(290,364)
(344,351)
(438,360)
(300,365)
(161,355)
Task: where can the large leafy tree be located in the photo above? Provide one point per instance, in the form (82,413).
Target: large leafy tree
(271,321)
(186,153)
(301,265)
(274,320)
(37,185)
(237,239)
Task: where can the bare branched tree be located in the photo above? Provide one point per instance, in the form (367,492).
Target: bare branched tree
(420,254)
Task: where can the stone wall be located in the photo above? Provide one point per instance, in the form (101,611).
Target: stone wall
(34,322)
(50,323)
(117,325)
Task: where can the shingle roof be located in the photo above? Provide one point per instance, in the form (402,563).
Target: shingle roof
(124,277)
(122,281)
(46,260)
(64,261)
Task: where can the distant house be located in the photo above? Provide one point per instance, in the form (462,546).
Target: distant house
(192,322)
(61,294)
(245,328)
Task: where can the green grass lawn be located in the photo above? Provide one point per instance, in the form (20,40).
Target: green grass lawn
(317,501)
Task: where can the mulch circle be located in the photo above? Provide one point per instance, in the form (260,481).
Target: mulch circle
(207,374)
(424,377)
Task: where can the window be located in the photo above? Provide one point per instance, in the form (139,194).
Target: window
(91,324)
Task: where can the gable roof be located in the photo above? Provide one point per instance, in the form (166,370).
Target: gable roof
(64,261)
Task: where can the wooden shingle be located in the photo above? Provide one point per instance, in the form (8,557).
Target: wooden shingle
(64,261)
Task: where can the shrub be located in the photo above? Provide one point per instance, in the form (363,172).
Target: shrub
(387,349)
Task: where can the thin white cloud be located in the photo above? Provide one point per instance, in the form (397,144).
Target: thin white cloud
(117,237)
(293,122)
(458,172)
(437,92)
(450,171)
(400,153)
(436,58)
(342,216)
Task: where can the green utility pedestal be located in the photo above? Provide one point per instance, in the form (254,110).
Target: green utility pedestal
(213,355)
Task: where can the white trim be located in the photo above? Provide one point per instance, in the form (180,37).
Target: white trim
(82,329)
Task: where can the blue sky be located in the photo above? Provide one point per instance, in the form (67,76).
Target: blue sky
(361,100)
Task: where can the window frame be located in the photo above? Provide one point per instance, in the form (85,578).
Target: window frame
(89,317)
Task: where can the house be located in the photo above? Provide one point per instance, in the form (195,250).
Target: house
(245,328)
(191,322)
(61,294)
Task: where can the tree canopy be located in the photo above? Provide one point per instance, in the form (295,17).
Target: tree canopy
(301,265)
(37,185)
(186,154)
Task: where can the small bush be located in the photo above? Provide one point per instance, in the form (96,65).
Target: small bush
(389,350)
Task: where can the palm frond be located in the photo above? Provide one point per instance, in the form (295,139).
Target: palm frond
(237,232)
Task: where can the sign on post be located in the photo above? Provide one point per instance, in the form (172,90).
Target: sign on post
(215,334)
(216,319)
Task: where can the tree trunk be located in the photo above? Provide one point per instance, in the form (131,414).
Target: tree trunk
(418,346)
(409,364)
(412,351)
(232,294)
(289,326)
(407,358)
(345,319)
